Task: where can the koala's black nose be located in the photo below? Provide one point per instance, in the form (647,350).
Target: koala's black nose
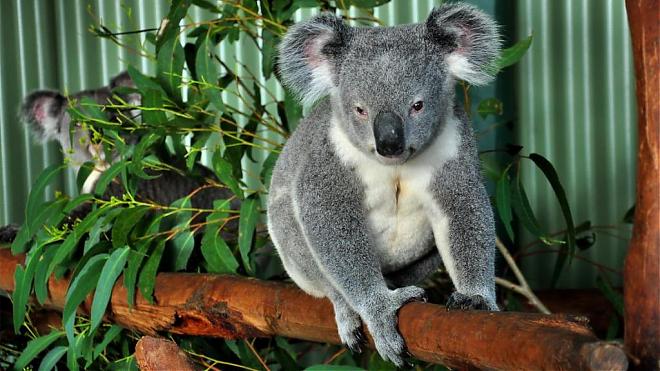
(388,131)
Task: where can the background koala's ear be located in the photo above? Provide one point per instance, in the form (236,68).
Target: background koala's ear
(472,40)
(308,55)
(122,79)
(43,111)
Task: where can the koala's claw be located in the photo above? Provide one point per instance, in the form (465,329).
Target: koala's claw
(475,302)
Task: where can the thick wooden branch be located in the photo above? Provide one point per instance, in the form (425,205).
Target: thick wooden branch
(642,266)
(237,307)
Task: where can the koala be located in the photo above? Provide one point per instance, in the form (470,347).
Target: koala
(381,182)
(45,111)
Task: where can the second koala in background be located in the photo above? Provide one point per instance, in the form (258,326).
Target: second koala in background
(46,113)
(382,182)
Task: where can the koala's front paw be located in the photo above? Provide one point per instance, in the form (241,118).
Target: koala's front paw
(465,302)
(382,321)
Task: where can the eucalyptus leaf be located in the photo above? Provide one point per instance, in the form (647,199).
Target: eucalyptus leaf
(503,201)
(147,279)
(80,287)
(170,60)
(34,347)
(512,55)
(52,357)
(109,274)
(247,223)
(553,178)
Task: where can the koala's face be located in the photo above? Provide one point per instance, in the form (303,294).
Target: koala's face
(46,113)
(392,92)
(392,88)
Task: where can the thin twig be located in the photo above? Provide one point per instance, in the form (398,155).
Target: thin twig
(256,354)
(523,288)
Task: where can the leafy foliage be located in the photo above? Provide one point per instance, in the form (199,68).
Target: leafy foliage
(186,111)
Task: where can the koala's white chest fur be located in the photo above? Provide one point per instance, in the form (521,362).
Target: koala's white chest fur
(397,198)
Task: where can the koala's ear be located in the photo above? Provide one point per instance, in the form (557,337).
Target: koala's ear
(308,56)
(43,111)
(122,79)
(472,40)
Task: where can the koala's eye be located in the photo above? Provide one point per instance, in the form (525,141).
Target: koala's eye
(417,106)
(360,111)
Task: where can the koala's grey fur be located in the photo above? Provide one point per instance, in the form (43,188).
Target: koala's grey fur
(347,220)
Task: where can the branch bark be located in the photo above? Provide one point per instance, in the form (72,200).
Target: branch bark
(155,354)
(642,266)
(236,307)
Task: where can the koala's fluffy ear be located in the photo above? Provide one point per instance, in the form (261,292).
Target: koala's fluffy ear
(44,110)
(122,79)
(472,38)
(308,55)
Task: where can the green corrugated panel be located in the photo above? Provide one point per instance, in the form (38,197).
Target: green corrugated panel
(574,101)
(577,108)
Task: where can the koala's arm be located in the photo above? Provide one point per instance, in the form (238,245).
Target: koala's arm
(465,231)
(329,201)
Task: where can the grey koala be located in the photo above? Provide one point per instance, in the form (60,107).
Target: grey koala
(381,183)
(45,111)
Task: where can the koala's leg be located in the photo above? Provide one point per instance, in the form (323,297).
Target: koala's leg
(466,241)
(416,271)
(333,220)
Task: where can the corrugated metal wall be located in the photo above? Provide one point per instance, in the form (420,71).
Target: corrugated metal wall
(576,104)
(574,101)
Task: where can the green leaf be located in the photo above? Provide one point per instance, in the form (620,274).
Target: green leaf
(224,171)
(523,210)
(216,252)
(125,222)
(132,268)
(52,357)
(34,347)
(40,281)
(81,286)
(50,212)
(109,336)
(195,149)
(206,5)
(170,60)
(152,107)
(246,225)
(111,271)
(491,106)
(333,368)
(23,279)
(178,10)
(72,239)
(503,201)
(551,174)
(143,82)
(207,73)
(36,197)
(512,55)
(364,4)
(147,279)
(108,176)
(267,168)
(184,242)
